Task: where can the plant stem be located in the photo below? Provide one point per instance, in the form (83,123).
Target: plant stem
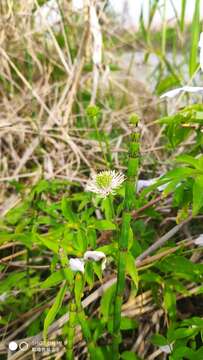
(71,331)
(86,331)
(130,187)
(78,290)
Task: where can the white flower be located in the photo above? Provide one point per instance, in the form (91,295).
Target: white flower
(77,264)
(174,92)
(201,50)
(105,183)
(96,256)
(167,349)
(199,240)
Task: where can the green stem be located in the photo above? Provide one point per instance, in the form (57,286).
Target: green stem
(130,186)
(86,331)
(71,331)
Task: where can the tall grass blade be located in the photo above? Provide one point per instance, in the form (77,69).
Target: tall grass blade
(195,39)
(182,15)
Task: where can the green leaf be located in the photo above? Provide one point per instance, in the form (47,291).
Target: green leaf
(106,302)
(11,281)
(187,159)
(127,323)
(182,333)
(131,269)
(104,225)
(67,211)
(159,340)
(54,310)
(197,195)
(170,302)
(56,278)
(151,276)
(52,280)
(15,214)
(89,274)
(129,355)
(50,244)
(183,352)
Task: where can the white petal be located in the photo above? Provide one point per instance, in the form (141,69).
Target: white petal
(162,187)
(174,92)
(167,349)
(142,184)
(76,264)
(116,180)
(94,255)
(201,40)
(192,88)
(171,93)
(199,240)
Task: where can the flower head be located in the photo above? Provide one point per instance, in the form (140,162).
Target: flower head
(105,183)
(94,255)
(77,264)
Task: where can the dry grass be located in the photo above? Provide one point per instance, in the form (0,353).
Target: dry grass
(42,84)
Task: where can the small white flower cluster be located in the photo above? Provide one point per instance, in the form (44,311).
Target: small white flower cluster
(190,89)
(105,183)
(78,264)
